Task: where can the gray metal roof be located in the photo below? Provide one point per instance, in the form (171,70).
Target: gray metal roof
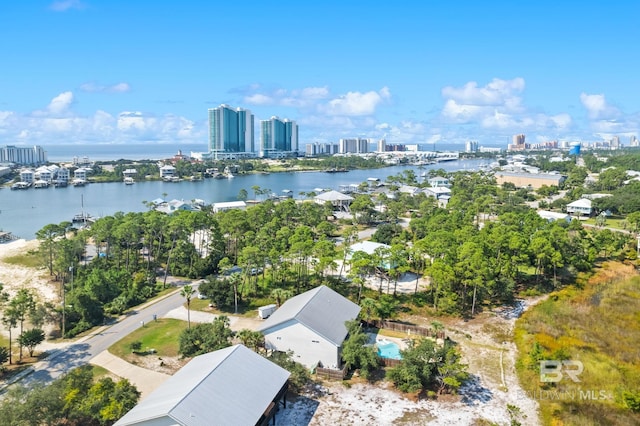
(231,386)
(333,196)
(322,310)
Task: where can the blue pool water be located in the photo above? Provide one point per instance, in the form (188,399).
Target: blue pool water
(389,350)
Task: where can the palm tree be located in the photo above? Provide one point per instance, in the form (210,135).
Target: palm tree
(187,292)
(245,336)
(368,306)
(280,294)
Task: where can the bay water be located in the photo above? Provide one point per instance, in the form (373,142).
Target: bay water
(24,212)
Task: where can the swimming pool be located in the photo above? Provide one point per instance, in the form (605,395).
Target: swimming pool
(387,349)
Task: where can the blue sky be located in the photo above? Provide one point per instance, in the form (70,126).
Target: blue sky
(110,71)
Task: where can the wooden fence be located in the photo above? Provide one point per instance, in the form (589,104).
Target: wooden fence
(389,362)
(331,374)
(409,329)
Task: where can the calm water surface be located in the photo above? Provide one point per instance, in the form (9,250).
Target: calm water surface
(25,212)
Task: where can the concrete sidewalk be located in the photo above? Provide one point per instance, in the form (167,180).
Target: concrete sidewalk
(145,380)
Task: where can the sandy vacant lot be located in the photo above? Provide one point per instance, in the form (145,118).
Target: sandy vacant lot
(15,277)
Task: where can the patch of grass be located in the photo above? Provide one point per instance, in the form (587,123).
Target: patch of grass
(162,335)
(100,372)
(29,259)
(598,324)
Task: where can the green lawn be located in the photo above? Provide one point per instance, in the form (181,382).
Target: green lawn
(617,222)
(162,335)
(29,259)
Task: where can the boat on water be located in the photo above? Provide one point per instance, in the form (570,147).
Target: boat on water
(336,170)
(83,217)
(20,185)
(129,181)
(230,175)
(60,184)
(5,237)
(79,182)
(41,184)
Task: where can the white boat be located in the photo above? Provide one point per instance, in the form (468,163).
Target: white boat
(129,181)
(230,175)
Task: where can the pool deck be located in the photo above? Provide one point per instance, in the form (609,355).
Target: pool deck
(375,338)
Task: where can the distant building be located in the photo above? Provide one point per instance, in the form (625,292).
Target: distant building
(439,181)
(339,200)
(518,143)
(27,175)
(24,156)
(355,146)
(581,207)
(231,133)
(554,216)
(278,138)
(633,141)
(471,146)
(533,180)
(229,205)
(382,145)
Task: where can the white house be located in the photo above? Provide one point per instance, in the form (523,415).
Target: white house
(437,191)
(174,206)
(580,207)
(339,200)
(312,325)
(231,386)
(553,216)
(63,174)
(370,247)
(439,181)
(219,207)
(408,189)
(27,175)
(81,173)
(167,172)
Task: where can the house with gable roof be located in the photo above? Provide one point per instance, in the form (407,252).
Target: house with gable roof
(230,386)
(312,326)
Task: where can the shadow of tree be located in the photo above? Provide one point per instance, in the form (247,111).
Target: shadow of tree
(473,393)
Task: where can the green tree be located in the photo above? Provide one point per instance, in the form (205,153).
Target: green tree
(355,351)
(207,337)
(21,305)
(187,292)
(31,338)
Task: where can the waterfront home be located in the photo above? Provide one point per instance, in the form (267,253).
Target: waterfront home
(27,175)
(338,200)
(63,175)
(46,173)
(219,207)
(129,173)
(174,206)
(81,174)
(230,386)
(167,172)
(312,326)
(581,207)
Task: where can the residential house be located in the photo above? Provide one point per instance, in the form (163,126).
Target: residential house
(338,200)
(174,206)
(581,207)
(167,172)
(219,207)
(370,248)
(27,175)
(129,173)
(312,326)
(81,174)
(408,189)
(231,386)
(554,216)
(440,193)
(439,181)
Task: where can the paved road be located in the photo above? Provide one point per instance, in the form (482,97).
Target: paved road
(81,352)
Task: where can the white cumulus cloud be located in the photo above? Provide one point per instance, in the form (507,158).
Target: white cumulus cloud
(357,103)
(597,107)
(64,5)
(92,87)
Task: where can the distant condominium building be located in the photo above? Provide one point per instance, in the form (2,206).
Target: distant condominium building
(278,138)
(28,156)
(518,143)
(317,148)
(382,145)
(231,133)
(356,146)
(471,146)
(633,141)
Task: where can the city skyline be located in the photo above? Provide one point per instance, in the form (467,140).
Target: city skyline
(90,72)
